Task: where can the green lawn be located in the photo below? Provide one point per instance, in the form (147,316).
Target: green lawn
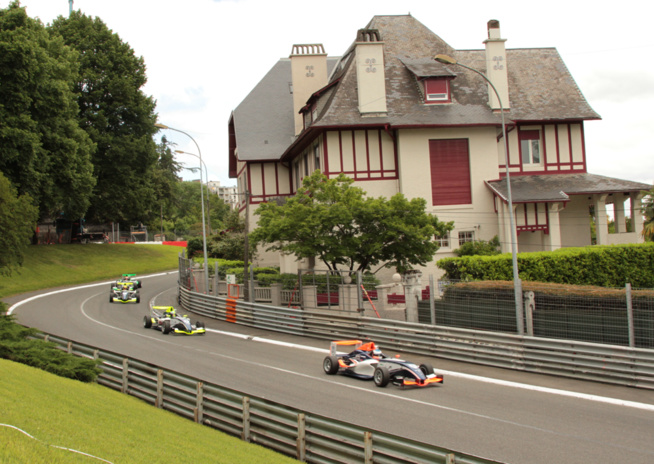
(108,425)
(48,266)
(89,418)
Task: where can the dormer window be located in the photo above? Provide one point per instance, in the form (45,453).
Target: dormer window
(437,90)
(433,79)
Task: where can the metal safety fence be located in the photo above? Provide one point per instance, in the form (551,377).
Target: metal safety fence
(568,358)
(308,437)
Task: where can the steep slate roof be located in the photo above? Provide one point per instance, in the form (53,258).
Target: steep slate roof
(540,89)
(264,121)
(540,86)
(559,187)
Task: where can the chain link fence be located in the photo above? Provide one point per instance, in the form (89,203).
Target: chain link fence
(616,316)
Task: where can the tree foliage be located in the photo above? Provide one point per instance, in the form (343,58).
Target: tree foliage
(118,117)
(334,221)
(18,217)
(229,242)
(43,151)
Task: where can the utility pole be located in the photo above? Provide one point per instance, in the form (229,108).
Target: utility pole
(70,7)
(246,258)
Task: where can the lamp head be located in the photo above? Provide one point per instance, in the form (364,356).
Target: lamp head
(445,59)
(161,126)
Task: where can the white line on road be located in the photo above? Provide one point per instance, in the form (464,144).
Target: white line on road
(506,383)
(477,378)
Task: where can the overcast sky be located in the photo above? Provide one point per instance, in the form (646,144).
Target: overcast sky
(204,56)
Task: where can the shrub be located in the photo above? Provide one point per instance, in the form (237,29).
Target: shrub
(480,247)
(15,345)
(604,266)
(194,247)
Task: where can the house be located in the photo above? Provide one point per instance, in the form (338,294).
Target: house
(396,120)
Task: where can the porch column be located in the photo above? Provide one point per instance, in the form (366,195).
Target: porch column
(601,221)
(637,215)
(618,212)
(553,239)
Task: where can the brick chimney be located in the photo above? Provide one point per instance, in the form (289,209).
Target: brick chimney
(496,66)
(371,82)
(308,74)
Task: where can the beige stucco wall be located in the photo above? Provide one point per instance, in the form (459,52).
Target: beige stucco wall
(575,222)
(415,177)
(371,84)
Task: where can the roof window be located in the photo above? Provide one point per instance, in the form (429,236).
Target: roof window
(437,90)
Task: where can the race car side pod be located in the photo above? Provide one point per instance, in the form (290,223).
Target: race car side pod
(371,303)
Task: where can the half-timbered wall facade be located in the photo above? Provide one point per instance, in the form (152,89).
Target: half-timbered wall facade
(409,125)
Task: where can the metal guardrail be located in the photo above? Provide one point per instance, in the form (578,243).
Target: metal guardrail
(580,360)
(305,436)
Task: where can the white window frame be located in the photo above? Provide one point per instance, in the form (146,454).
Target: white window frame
(531,150)
(466,236)
(444,241)
(316,157)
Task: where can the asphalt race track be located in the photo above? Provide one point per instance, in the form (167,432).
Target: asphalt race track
(499,414)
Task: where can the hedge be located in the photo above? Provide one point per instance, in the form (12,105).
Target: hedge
(603,266)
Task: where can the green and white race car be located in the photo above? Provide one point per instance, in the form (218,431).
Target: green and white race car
(124,292)
(130,278)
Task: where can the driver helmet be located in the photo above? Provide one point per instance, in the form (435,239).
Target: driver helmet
(376,353)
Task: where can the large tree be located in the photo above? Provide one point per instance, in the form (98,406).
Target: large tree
(43,151)
(117,115)
(334,221)
(165,180)
(18,217)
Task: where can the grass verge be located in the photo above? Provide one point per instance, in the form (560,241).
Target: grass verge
(49,266)
(108,425)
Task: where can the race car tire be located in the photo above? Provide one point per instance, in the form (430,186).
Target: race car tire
(147,322)
(330,365)
(111,298)
(381,376)
(138,298)
(199,324)
(166,328)
(426,369)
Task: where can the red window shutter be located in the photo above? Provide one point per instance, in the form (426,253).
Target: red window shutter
(450,172)
(436,90)
(529,135)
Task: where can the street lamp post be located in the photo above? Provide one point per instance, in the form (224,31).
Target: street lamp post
(206,178)
(445,59)
(204,231)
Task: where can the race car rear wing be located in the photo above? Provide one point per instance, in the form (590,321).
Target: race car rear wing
(354,344)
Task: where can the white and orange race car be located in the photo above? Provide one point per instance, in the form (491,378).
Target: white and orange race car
(366,361)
